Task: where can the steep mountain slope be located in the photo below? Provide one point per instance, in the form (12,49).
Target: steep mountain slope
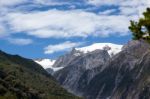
(22,78)
(64,60)
(96,75)
(82,64)
(80,68)
(125,76)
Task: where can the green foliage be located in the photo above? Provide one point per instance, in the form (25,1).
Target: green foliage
(8,96)
(22,78)
(141,29)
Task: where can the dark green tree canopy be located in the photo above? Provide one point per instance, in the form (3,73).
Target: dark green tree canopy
(141,29)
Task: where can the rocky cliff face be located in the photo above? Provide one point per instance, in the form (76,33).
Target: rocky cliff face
(64,60)
(125,76)
(96,75)
(80,68)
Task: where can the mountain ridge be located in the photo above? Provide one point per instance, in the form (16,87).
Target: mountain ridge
(52,66)
(110,47)
(25,79)
(75,68)
(107,80)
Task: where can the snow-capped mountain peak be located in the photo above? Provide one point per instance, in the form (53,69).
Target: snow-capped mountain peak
(110,47)
(47,63)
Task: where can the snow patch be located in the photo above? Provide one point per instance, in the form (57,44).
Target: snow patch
(77,54)
(110,47)
(48,63)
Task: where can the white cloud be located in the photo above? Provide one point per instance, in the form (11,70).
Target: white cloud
(107,12)
(50,49)
(20,41)
(118,2)
(74,23)
(50,2)
(127,7)
(104,2)
(65,24)
(7,3)
(128,11)
(2,31)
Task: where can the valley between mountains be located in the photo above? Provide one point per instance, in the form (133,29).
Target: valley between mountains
(74,49)
(98,71)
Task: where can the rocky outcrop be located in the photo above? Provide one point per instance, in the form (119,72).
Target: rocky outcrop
(80,68)
(66,59)
(125,76)
(96,75)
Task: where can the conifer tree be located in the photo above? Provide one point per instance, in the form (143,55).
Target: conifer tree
(141,29)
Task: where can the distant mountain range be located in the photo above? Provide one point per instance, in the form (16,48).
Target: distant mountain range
(98,71)
(49,65)
(106,71)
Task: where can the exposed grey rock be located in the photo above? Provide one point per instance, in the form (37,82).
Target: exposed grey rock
(80,69)
(50,71)
(64,60)
(125,76)
(96,75)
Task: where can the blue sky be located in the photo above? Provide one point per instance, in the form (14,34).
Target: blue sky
(49,28)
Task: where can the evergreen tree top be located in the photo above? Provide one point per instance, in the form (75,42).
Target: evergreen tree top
(141,29)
